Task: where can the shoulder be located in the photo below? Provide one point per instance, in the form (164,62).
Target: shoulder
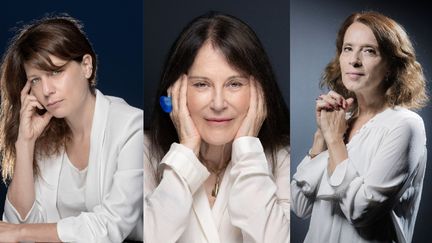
(117,119)
(402,117)
(403,123)
(394,118)
(120,110)
(117,114)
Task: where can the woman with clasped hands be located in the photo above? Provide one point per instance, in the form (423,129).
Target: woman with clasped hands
(362,179)
(219,167)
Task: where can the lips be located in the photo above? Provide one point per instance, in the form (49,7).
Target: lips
(53,103)
(218,121)
(354,75)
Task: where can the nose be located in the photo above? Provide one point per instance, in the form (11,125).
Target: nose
(47,86)
(355,60)
(218,102)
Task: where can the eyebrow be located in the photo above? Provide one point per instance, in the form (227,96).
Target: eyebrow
(59,68)
(205,78)
(364,45)
(31,76)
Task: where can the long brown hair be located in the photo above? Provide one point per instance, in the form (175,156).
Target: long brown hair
(405,84)
(60,36)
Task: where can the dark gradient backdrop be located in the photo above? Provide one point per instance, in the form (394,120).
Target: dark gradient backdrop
(314,25)
(164,20)
(115,29)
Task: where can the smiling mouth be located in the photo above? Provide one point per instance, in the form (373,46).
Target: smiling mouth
(218,120)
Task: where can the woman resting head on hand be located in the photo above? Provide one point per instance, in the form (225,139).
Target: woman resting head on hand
(74,172)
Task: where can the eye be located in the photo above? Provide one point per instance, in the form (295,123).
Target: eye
(35,81)
(200,85)
(235,84)
(347,49)
(56,72)
(370,51)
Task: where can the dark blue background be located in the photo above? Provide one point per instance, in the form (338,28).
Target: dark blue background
(162,25)
(115,29)
(314,25)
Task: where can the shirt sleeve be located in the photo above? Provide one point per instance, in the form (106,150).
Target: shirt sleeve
(121,207)
(259,204)
(35,215)
(168,205)
(363,197)
(306,182)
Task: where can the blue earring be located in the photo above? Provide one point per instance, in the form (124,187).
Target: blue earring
(165,103)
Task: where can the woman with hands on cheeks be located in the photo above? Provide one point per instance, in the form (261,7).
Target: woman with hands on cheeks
(218,170)
(71,156)
(362,178)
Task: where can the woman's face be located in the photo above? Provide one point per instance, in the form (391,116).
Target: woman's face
(62,92)
(218,96)
(362,66)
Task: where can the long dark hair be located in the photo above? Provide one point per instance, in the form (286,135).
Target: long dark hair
(243,50)
(61,36)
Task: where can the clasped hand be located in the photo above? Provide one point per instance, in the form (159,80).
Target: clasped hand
(330,115)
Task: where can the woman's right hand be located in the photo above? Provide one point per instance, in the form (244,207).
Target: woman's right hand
(31,123)
(331,101)
(186,129)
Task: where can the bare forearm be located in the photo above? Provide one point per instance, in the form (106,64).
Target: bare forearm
(319,144)
(337,153)
(21,190)
(39,232)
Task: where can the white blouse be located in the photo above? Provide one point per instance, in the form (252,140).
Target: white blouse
(252,204)
(71,192)
(374,195)
(113,188)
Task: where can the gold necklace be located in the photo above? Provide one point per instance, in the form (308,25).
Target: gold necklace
(218,172)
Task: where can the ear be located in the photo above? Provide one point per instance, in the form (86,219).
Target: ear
(87,64)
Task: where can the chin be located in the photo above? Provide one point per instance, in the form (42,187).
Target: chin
(217,140)
(351,85)
(58,115)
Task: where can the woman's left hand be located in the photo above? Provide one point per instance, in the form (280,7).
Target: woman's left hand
(9,232)
(333,124)
(257,112)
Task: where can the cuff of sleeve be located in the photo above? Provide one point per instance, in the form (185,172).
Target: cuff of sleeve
(335,186)
(310,171)
(343,174)
(250,146)
(248,158)
(71,229)
(66,229)
(184,162)
(11,215)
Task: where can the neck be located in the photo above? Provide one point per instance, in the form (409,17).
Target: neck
(370,104)
(215,156)
(81,121)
